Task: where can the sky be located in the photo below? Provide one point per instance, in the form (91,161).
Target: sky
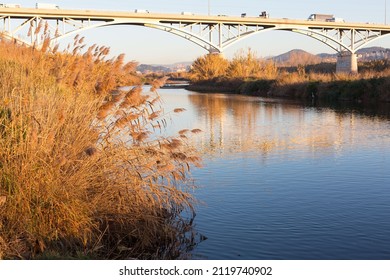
(150,46)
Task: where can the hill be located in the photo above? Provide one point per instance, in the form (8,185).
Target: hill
(295,57)
(289,59)
(168,68)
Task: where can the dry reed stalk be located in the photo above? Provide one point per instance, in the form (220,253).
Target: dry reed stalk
(72,182)
(196,130)
(179,110)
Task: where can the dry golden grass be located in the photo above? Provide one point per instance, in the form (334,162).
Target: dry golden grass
(80,173)
(246,66)
(246,74)
(209,67)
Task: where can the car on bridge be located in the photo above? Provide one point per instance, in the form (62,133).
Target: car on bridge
(48,6)
(141,11)
(10,6)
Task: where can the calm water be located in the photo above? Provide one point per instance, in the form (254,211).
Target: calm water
(286,181)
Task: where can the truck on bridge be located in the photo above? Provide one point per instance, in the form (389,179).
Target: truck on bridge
(336,20)
(264,14)
(320,17)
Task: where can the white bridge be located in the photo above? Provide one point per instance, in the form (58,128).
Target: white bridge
(213,33)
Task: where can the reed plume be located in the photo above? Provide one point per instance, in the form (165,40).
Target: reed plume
(81,170)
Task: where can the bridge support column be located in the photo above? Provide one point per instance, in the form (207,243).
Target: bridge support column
(347,63)
(216,52)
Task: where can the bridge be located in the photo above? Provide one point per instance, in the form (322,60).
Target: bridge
(213,33)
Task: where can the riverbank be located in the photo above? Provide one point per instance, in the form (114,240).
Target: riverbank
(246,74)
(375,89)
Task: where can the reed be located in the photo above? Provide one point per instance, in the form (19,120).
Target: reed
(247,74)
(80,174)
(209,67)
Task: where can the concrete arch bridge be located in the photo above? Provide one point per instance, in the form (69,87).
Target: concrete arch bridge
(213,33)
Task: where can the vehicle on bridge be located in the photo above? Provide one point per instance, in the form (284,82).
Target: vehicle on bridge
(10,5)
(48,6)
(141,11)
(264,14)
(320,17)
(335,20)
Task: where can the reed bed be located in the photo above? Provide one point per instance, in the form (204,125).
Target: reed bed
(245,65)
(247,74)
(83,172)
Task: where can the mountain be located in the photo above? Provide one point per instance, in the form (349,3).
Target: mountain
(365,54)
(167,68)
(146,68)
(372,50)
(295,57)
(373,53)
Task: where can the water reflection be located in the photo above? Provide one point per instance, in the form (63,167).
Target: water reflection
(284,180)
(374,110)
(250,124)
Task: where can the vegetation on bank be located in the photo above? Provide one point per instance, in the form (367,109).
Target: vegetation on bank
(247,74)
(82,172)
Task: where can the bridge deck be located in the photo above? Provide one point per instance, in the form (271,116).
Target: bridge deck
(94,15)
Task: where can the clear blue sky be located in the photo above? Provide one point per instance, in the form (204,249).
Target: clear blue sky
(151,46)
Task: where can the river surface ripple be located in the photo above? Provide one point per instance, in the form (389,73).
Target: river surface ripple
(282,180)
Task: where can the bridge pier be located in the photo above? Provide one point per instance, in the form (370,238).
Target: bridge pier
(347,63)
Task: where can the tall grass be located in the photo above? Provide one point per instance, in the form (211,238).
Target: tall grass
(247,74)
(244,65)
(247,66)
(209,67)
(81,173)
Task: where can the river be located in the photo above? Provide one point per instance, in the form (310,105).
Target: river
(283,180)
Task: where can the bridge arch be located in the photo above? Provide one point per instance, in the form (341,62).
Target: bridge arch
(372,40)
(207,44)
(319,36)
(347,59)
(332,40)
(170,29)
